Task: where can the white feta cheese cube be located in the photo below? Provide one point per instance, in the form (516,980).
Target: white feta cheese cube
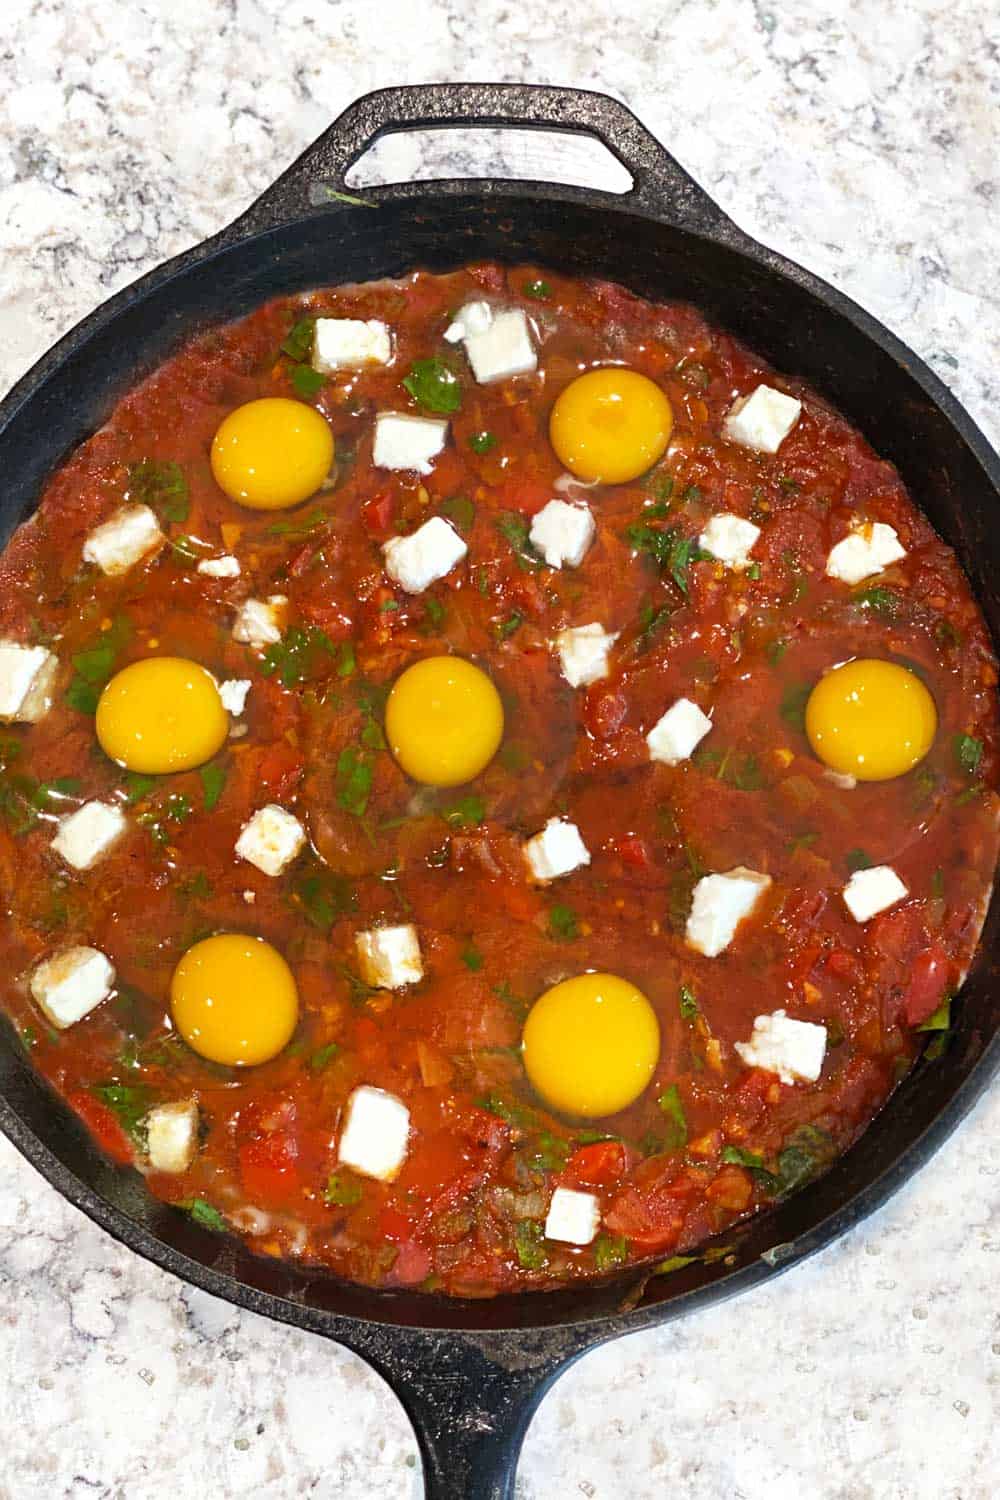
(405,442)
(761,420)
(67,986)
(376,1133)
(556,851)
(350,343)
(573,1217)
(427,554)
(473,318)
(730,539)
(88,834)
(502,349)
(867,550)
(870,891)
(677,734)
(220,567)
(172,1135)
(389,957)
(562,533)
(792,1049)
(271,839)
(260,622)
(719,905)
(233,695)
(123,540)
(583,653)
(27,677)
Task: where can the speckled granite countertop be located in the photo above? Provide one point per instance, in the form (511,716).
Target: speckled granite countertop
(862,139)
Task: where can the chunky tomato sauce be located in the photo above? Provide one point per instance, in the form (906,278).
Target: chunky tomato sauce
(711,1140)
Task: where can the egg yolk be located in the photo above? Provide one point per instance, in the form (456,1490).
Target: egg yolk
(443,720)
(610,425)
(870,719)
(272,453)
(161,714)
(591,1045)
(234,1000)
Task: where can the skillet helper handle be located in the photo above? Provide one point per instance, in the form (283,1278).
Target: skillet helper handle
(660,185)
(470,1400)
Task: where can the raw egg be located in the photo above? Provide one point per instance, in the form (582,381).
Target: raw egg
(610,425)
(161,714)
(591,1045)
(870,719)
(272,453)
(234,999)
(443,720)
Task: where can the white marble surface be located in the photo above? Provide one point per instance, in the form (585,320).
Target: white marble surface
(862,139)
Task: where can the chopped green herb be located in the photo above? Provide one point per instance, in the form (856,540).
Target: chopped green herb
(322,1056)
(514,529)
(433,385)
(671,552)
(196,887)
(346,662)
(609,1252)
(472,958)
(213,779)
(323,896)
(482,442)
(299,341)
(63,788)
(184,547)
(946,634)
(753,571)
(161,486)
(736,1156)
(776,651)
(675,1263)
(802,841)
(940,1020)
(516,1003)
(858,859)
(137,787)
(461,510)
(677,1131)
(95,665)
(342,1191)
(660,485)
(968,753)
(688,1003)
(293,526)
(529,1243)
(354,781)
(388,607)
(564,925)
(789,484)
(506,628)
(204,1214)
(434,610)
(793,704)
(307,381)
(512,1114)
(297,655)
(469,812)
(537,289)
(549,1153)
(970,793)
(937,885)
(694,375)
(881,601)
(129,1104)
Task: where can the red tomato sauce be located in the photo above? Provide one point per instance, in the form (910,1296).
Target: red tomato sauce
(466,1213)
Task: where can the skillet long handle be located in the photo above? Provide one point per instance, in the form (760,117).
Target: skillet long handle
(470,1397)
(660,185)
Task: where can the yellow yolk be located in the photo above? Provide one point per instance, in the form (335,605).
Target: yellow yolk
(234,1000)
(870,719)
(272,453)
(161,714)
(610,425)
(443,721)
(591,1045)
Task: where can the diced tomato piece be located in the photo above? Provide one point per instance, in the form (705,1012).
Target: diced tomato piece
(103,1124)
(394,1225)
(525,494)
(597,1165)
(604,711)
(632,850)
(841,963)
(280,769)
(376,513)
(412,1264)
(269,1168)
(929,977)
(434,1162)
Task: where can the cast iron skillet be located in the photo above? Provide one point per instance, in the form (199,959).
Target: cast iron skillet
(470,1374)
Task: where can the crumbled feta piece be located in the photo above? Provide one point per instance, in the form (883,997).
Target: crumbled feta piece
(870,891)
(730,539)
(427,554)
(719,905)
(502,349)
(792,1049)
(405,442)
(123,540)
(573,1217)
(172,1135)
(220,567)
(70,984)
(260,622)
(389,957)
(678,733)
(556,851)
(761,420)
(375,1134)
(865,551)
(562,533)
(473,318)
(89,833)
(350,343)
(583,653)
(271,839)
(233,695)
(27,676)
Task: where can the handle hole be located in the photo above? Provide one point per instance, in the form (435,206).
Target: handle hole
(488,151)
